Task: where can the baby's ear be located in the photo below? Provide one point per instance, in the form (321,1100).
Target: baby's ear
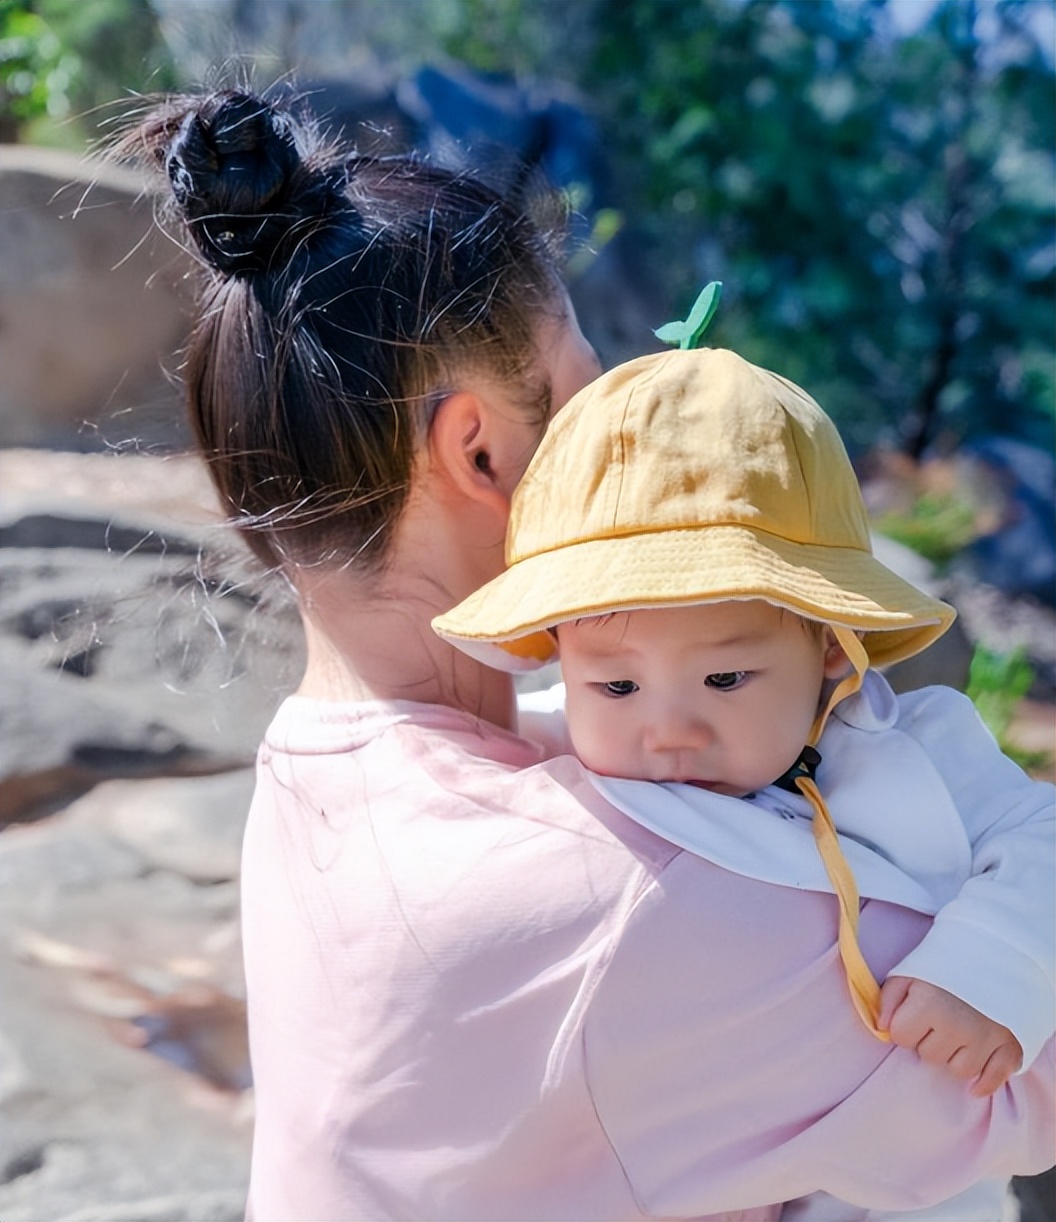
(837,664)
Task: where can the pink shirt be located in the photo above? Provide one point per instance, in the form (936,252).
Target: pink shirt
(476,991)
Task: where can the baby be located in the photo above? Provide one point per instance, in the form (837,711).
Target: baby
(690,537)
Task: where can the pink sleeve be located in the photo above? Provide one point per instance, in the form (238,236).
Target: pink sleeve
(722,1054)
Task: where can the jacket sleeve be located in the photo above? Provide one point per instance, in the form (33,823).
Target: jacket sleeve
(994,945)
(728,1068)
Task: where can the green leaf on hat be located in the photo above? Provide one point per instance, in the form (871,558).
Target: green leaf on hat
(688,334)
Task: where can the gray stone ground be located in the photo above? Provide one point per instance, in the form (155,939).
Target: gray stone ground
(121,939)
(134,693)
(93,303)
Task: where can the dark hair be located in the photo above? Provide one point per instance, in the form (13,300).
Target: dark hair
(342,296)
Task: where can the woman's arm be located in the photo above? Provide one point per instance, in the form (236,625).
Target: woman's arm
(728,1067)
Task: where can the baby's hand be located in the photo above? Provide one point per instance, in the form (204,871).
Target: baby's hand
(948,1032)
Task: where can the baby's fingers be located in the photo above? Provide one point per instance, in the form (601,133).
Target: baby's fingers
(912,1025)
(946,1051)
(1001,1065)
(892,994)
(968,1062)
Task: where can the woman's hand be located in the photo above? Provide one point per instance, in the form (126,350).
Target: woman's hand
(949,1033)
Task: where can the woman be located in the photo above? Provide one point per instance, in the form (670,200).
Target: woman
(475,990)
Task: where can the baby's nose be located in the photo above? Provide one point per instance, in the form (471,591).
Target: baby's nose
(678,729)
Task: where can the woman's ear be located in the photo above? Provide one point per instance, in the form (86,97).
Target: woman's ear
(460,449)
(484,440)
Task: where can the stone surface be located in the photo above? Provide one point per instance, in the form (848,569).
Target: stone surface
(113,949)
(93,303)
(947,661)
(136,638)
(193,830)
(135,641)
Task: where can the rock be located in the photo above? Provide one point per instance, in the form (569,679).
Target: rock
(100,1129)
(186,1207)
(136,637)
(93,303)
(135,908)
(113,950)
(170,494)
(1017,556)
(946,662)
(136,640)
(194,830)
(1037,1197)
(61,735)
(908,564)
(60,858)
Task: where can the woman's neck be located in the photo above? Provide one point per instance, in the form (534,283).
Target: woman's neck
(386,650)
(373,641)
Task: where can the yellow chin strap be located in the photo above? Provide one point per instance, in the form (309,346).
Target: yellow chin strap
(865,992)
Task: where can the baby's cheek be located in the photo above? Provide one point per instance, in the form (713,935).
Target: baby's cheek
(590,751)
(578,727)
(591,742)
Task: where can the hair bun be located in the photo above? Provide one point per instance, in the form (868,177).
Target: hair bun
(233,166)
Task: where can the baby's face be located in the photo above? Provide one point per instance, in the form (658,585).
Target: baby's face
(722,695)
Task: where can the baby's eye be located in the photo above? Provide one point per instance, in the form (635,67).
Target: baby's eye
(726,680)
(619,687)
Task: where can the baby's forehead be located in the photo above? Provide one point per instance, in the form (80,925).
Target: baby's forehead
(601,634)
(725,623)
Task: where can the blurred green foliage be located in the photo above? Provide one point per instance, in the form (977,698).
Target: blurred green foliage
(35,69)
(63,62)
(938,526)
(879,207)
(997,682)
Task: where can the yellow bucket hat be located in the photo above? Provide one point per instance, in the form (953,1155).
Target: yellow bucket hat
(686,477)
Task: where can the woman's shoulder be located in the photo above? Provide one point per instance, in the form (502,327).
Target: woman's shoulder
(442,768)
(548,804)
(303,726)
(425,826)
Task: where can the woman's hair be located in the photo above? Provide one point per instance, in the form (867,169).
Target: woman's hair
(342,296)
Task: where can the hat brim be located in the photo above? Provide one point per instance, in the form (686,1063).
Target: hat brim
(680,567)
